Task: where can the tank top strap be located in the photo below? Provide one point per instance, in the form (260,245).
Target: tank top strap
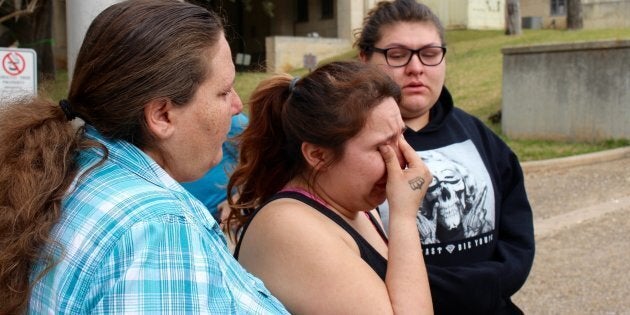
(367,251)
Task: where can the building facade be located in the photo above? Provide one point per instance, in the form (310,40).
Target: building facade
(324,28)
(595,13)
(281,37)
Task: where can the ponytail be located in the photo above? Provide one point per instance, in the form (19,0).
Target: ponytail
(266,160)
(37,149)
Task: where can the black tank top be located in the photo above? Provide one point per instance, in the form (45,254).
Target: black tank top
(372,257)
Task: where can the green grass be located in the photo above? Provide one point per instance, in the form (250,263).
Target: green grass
(474,67)
(246,82)
(57,89)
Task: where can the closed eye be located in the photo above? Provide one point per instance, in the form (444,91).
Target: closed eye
(227,92)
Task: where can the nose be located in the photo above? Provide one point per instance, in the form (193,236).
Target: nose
(415,65)
(237,104)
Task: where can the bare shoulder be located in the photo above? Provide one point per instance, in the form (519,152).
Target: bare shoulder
(300,253)
(289,221)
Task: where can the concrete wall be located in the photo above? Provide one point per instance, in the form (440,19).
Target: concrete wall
(469,14)
(486,14)
(578,91)
(542,9)
(595,13)
(350,16)
(285,53)
(452,13)
(606,14)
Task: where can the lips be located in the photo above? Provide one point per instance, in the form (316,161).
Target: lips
(415,87)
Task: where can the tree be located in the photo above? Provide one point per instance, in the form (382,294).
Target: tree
(513,18)
(16,9)
(574,14)
(28,23)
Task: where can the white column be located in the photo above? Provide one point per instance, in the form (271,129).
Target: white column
(350,14)
(79,15)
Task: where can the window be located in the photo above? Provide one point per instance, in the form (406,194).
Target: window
(558,7)
(302,11)
(327,9)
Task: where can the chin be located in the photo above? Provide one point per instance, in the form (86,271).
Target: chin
(415,103)
(217,159)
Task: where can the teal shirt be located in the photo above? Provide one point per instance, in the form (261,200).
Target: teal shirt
(132,240)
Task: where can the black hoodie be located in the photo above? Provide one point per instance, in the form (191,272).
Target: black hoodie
(475,222)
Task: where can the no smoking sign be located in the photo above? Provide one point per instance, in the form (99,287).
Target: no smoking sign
(13,63)
(18,75)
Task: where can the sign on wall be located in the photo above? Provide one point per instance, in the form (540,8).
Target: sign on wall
(18,73)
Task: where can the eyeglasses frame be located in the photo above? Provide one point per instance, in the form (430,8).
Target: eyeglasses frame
(413,52)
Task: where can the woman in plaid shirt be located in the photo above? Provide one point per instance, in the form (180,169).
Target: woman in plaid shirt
(93,220)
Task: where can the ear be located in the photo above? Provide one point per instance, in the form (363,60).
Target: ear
(316,156)
(158,115)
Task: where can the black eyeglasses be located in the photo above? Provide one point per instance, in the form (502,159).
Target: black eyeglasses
(400,56)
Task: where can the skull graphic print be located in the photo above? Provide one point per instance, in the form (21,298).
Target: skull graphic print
(459,202)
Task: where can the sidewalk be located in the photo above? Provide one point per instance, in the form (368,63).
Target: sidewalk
(581,210)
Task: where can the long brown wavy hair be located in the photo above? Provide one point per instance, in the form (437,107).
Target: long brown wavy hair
(326,108)
(134,52)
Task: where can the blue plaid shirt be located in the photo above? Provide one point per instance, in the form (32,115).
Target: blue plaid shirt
(132,240)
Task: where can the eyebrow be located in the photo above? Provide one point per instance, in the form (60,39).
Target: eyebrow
(397,45)
(393,137)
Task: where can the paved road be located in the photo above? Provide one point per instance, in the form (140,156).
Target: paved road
(582,223)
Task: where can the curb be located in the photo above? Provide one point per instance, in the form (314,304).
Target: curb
(544,228)
(576,160)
